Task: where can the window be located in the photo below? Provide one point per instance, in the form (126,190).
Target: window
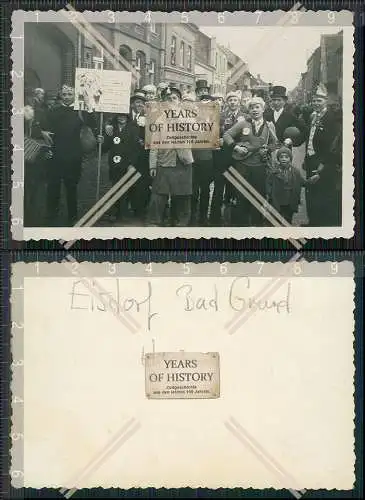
(138,71)
(140,68)
(189,64)
(88,58)
(152,71)
(182,53)
(173,50)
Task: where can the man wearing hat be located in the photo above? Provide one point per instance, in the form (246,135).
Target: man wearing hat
(281,117)
(222,158)
(324,160)
(201,88)
(171,170)
(138,100)
(139,192)
(66,124)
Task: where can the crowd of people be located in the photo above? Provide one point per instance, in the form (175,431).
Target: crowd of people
(187,187)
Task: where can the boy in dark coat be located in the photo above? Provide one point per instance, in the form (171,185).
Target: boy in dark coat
(284,184)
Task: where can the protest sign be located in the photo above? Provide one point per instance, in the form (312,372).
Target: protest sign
(102,90)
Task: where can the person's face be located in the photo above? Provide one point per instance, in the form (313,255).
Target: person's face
(174,99)
(67,96)
(51,102)
(121,120)
(319,103)
(28,113)
(277,103)
(150,95)
(39,95)
(220,102)
(284,159)
(256,111)
(200,92)
(233,103)
(138,105)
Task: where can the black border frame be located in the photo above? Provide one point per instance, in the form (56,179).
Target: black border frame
(355,243)
(162,250)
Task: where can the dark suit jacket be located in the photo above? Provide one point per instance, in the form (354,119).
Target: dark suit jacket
(327,143)
(66,125)
(286,119)
(128,148)
(226,121)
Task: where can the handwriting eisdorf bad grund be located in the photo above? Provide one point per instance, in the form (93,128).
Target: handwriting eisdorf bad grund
(238,296)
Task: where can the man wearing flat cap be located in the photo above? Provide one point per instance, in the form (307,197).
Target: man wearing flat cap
(324,160)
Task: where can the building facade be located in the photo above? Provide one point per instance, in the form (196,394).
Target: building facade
(221,75)
(50,55)
(204,68)
(54,50)
(178,55)
(331,65)
(325,65)
(140,46)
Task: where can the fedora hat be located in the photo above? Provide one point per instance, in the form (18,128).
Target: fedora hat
(278,91)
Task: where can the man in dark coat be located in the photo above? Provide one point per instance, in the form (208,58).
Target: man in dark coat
(65,124)
(282,117)
(202,178)
(324,160)
(140,191)
(222,158)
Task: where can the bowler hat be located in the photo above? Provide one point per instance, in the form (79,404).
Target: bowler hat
(278,91)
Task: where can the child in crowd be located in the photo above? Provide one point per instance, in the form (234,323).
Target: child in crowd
(284,184)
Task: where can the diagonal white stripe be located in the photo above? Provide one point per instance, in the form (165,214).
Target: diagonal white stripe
(85,218)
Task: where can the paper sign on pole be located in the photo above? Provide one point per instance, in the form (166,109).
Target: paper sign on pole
(102,90)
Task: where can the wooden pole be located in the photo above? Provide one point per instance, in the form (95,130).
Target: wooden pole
(100,145)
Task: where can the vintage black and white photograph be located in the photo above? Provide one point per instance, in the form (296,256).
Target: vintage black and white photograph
(278,164)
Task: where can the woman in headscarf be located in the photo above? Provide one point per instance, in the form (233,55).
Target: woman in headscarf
(251,143)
